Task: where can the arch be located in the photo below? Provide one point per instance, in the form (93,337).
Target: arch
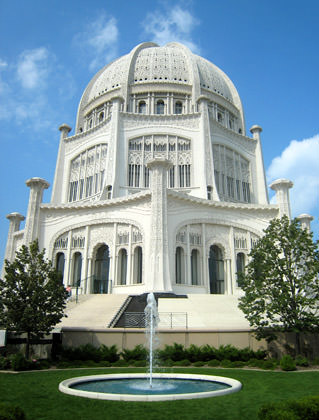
(101,270)
(160,106)
(195,267)
(240,264)
(178,109)
(142,107)
(138,265)
(122,266)
(179,265)
(77,269)
(59,264)
(216,270)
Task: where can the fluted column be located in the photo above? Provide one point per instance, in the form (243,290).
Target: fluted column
(37,186)
(305,220)
(14,226)
(282,186)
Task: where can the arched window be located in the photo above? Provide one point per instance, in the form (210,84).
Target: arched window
(142,107)
(101,116)
(240,263)
(178,107)
(194,267)
(101,270)
(179,266)
(160,107)
(122,266)
(138,260)
(77,268)
(216,270)
(60,264)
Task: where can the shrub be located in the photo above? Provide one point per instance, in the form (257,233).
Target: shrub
(109,354)
(120,363)
(139,363)
(287,363)
(238,364)
(301,361)
(301,409)
(194,353)
(226,363)
(104,363)
(11,412)
(4,363)
(184,362)
(19,362)
(199,363)
(175,352)
(138,353)
(213,362)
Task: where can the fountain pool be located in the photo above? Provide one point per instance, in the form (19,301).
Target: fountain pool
(136,386)
(151,386)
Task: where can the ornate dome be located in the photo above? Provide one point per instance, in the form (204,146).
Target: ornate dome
(171,67)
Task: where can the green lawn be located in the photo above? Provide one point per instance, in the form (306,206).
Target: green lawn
(37,393)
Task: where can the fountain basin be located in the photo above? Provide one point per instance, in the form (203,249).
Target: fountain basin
(171,383)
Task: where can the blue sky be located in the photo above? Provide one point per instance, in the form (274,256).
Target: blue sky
(49,51)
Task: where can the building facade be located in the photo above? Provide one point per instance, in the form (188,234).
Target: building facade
(159,189)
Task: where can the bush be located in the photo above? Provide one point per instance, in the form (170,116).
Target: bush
(11,412)
(19,362)
(194,353)
(184,362)
(226,363)
(176,352)
(120,363)
(138,353)
(109,354)
(4,363)
(301,361)
(302,409)
(287,363)
(238,364)
(140,363)
(213,363)
(199,363)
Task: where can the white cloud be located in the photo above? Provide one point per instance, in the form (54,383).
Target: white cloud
(176,25)
(99,41)
(33,68)
(299,163)
(3,64)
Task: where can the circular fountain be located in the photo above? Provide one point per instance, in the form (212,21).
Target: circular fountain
(151,386)
(136,387)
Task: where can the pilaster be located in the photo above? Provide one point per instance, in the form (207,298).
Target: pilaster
(159,260)
(14,226)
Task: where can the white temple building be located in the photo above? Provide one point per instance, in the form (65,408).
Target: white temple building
(160,188)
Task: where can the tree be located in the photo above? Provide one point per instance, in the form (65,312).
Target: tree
(32,297)
(281,282)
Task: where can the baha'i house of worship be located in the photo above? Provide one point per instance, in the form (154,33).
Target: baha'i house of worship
(159,189)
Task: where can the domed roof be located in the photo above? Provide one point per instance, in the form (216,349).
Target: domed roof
(172,64)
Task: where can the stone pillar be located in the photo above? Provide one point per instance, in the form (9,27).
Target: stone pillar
(36,185)
(14,226)
(305,220)
(261,195)
(159,280)
(281,186)
(59,170)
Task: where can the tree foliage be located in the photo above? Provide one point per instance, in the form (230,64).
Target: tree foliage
(281,281)
(32,297)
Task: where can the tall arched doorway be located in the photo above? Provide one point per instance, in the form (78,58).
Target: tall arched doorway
(77,268)
(195,267)
(216,270)
(138,265)
(60,264)
(101,270)
(179,266)
(122,267)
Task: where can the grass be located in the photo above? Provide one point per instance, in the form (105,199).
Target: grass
(38,395)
